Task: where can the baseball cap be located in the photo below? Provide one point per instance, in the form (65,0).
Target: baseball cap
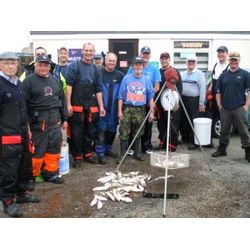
(171,77)
(8,55)
(145,49)
(164,55)
(136,60)
(98,56)
(43,58)
(191,58)
(234,55)
(222,48)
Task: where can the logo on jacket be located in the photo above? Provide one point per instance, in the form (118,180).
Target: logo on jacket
(135,92)
(48,91)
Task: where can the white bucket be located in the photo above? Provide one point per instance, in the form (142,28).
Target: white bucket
(202,129)
(64,160)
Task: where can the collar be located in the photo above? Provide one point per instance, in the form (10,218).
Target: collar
(13,79)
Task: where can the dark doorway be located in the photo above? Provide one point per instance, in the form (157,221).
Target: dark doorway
(125,49)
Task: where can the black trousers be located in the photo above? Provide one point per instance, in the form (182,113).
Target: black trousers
(192,106)
(15,173)
(162,119)
(83,127)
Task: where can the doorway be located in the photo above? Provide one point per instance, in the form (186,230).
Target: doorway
(125,49)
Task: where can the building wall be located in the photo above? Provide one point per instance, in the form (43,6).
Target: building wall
(157,42)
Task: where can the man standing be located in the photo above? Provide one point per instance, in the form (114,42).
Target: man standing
(15,158)
(84,95)
(47,115)
(107,125)
(219,67)
(193,97)
(98,60)
(61,69)
(135,93)
(155,77)
(162,115)
(232,87)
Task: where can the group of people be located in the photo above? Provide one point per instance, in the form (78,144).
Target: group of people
(90,98)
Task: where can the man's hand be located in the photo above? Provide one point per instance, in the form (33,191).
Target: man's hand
(120,116)
(70,110)
(102,111)
(64,125)
(151,117)
(201,108)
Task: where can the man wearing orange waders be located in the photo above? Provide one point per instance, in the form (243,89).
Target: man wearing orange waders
(47,114)
(85,104)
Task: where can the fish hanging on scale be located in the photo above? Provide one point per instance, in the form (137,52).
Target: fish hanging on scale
(117,187)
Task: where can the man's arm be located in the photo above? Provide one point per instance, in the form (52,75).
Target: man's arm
(100,104)
(120,114)
(68,100)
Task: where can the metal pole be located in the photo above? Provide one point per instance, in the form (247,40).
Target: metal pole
(167,157)
(139,130)
(186,113)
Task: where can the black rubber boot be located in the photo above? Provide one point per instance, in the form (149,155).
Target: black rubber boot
(27,198)
(101,160)
(137,154)
(12,209)
(77,164)
(123,145)
(247,154)
(221,151)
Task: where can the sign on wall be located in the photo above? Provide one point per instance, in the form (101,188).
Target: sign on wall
(191,44)
(75,54)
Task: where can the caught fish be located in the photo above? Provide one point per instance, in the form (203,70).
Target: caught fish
(93,202)
(111,197)
(101,198)
(99,205)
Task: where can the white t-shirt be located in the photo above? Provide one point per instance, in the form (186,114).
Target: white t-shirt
(220,67)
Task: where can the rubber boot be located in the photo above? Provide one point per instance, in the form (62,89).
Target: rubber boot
(12,209)
(137,154)
(247,154)
(123,145)
(221,151)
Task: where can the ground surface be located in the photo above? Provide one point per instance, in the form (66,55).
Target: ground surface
(224,192)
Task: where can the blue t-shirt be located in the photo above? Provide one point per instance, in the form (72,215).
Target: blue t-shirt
(233,87)
(151,71)
(136,91)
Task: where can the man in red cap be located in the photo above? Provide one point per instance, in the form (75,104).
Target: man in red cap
(172,78)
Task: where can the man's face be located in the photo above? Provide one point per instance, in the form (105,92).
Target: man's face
(110,62)
(146,57)
(88,52)
(222,55)
(39,52)
(165,62)
(234,63)
(138,68)
(63,56)
(98,62)
(42,68)
(9,67)
(191,64)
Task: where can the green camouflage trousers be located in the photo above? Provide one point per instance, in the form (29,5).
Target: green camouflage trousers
(131,122)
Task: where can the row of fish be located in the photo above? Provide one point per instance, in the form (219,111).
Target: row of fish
(117,187)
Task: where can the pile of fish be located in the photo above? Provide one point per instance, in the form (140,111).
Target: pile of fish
(117,186)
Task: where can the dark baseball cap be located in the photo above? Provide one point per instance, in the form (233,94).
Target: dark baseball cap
(43,58)
(222,48)
(98,56)
(164,55)
(136,60)
(145,49)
